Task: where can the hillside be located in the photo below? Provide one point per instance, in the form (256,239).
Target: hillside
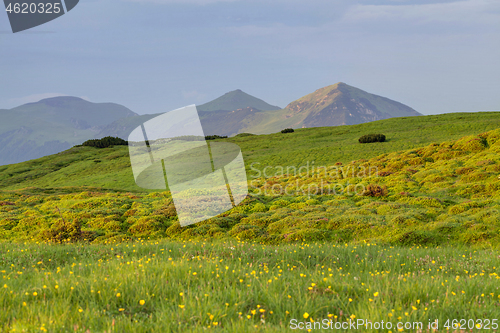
(52,125)
(110,168)
(438,193)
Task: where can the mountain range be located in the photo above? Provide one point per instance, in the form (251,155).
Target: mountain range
(52,125)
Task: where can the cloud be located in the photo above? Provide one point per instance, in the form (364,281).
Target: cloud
(468,11)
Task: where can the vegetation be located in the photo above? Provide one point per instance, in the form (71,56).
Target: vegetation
(105,142)
(445,192)
(235,286)
(213,137)
(287,130)
(405,232)
(323,146)
(372,138)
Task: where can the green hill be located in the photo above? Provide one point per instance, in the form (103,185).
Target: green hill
(110,168)
(52,125)
(435,181)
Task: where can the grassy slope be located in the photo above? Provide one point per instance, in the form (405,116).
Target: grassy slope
(323,146)
(437,193)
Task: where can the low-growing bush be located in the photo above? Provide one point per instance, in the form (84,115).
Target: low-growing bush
(62,231)
(368,138)
(287,130)
(105,142)
(373,190)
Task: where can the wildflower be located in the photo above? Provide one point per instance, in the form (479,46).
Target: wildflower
(141,302)
(306,315)
(118,295)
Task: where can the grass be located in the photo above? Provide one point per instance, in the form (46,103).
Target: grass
(441,193)
(411,234)
(236,286)
(110,168)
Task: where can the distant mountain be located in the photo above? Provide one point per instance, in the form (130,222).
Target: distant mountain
(341,104)
(224,115)
(338,104)
(55,124)
(235,100)
(52,125)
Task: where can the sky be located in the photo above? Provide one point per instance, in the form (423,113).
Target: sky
(158,55)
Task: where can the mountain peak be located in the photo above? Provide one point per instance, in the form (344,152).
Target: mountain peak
(234,100)
(342,104)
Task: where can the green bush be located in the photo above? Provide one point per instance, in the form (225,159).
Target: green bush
(287,130)
(105,142)
(372,138)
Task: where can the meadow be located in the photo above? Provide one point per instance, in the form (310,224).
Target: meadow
(236,286)
(402,231)
(109,169)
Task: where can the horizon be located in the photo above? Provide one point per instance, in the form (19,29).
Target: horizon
(208,101)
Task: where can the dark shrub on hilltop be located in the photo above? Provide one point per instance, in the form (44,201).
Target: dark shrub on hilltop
(288,130)
(105,142)
(372,138)
(213,137)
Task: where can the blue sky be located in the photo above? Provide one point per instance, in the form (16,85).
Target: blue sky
(158,55)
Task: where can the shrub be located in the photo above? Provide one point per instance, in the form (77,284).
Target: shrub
(213,137)
(287,130)
(372,138)
(259,207)
(62,231)
(471,143)
(105,142)
(373,190)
